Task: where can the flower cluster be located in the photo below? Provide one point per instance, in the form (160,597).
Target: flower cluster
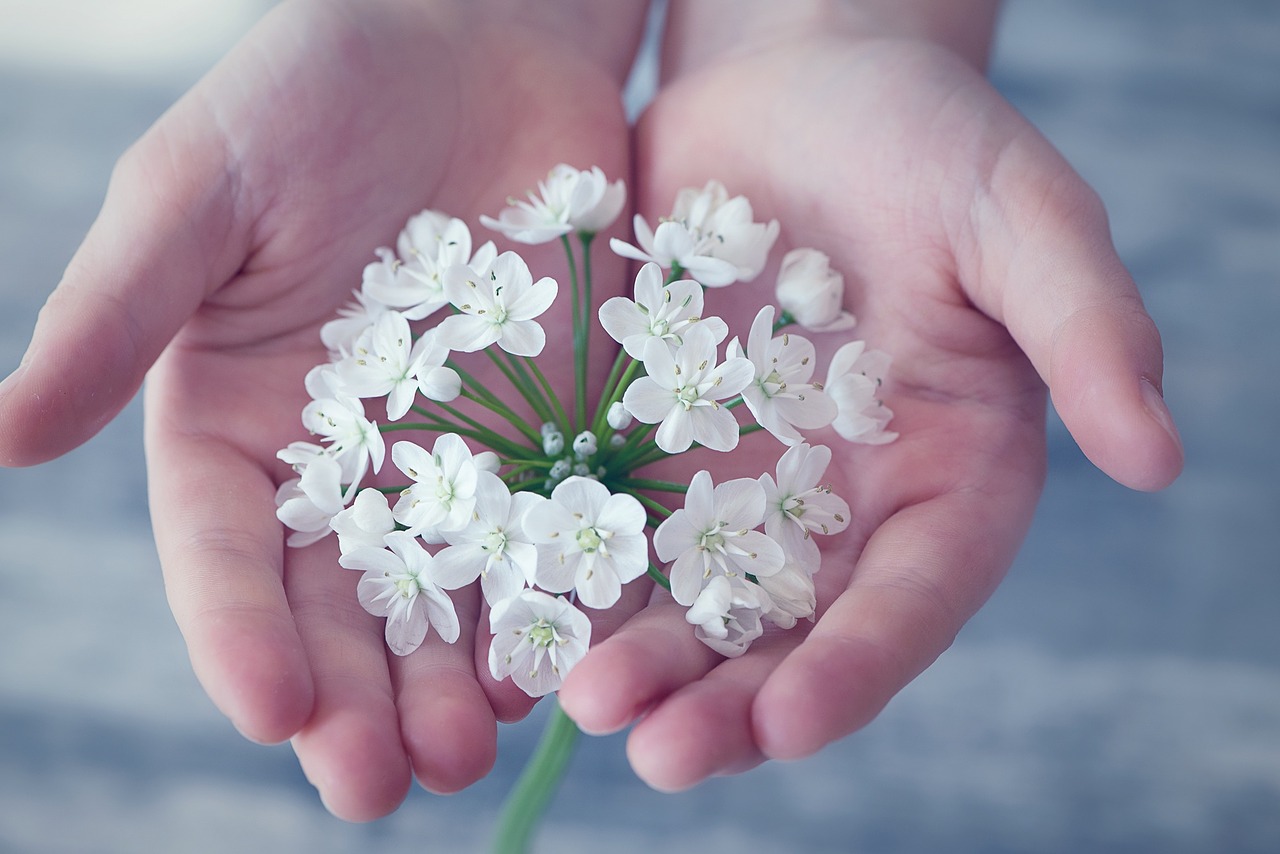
(550,511)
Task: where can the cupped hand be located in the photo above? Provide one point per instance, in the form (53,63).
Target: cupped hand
(231,231)
(982,263)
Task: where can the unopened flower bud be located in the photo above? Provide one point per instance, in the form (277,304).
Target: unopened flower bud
(582,470)
(487,461)
(618,416)
(811,292)
(552,442)
(585,444)
(617,440)
(560,470)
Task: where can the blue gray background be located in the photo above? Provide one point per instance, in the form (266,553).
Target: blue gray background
(1120,693)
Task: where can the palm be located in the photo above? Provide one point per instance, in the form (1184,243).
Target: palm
(331,158)
(879,171)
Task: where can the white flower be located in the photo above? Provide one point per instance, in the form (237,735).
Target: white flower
(387,361)
(493,545)
(338,418)
(799,504)
(537,639)
(399,585)
(340,335)
(430,243)
(588,539)
(812,293)
(726,615)
(443,494)
(306,504)
(656,312)
(712,236)
(853,382)
(683,390)
(365,523)
(496,308)
(791,593)
(568,200)
(713,535)
(780,395)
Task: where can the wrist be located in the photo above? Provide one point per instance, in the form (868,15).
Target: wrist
(702,31)
(607,34)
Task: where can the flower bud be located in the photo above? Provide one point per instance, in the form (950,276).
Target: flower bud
(487,461)
(560,470)
(811,292)
(585,444)
(618,416)
(552,442)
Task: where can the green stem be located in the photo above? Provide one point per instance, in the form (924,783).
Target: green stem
(650,483)
(658,578)
(516,376)
(656,507)
(537,785)
(497,407)
(582,342)
(579,350)
(561,417)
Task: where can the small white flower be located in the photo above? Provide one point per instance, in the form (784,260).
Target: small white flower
(443,494)
(683,390)
(799,505)
(853,382)
(365,523)
(387,361)
(399,584)
(430,243)
(338,418)
(588,539)
(656,312)
(811,292)
(780,395)
(792,596)
(499,307)
(340,335)
(568,200)
(727,613)
(713,535)
(537,639)
(493,546)
(307,504)
(712,236)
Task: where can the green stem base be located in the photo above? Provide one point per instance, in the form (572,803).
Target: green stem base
(537,784)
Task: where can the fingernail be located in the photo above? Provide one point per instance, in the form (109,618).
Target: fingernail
(1154,403)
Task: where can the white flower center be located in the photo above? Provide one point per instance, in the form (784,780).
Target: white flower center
(544,634)
(495,542)
(590,540)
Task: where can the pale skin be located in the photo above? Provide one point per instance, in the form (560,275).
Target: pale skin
(240,222)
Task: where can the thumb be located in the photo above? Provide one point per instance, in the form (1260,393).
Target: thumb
(1048,270)
(162,241)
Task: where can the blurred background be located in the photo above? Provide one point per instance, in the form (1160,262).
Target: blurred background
(1120,693)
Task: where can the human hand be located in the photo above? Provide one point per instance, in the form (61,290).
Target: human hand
(982,263)
(230,233)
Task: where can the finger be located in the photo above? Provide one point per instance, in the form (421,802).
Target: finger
(446,722)
(705,728)
(923,573)
(651,655)
(166,234)
(1042,262)
(221,549)
(351,748)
